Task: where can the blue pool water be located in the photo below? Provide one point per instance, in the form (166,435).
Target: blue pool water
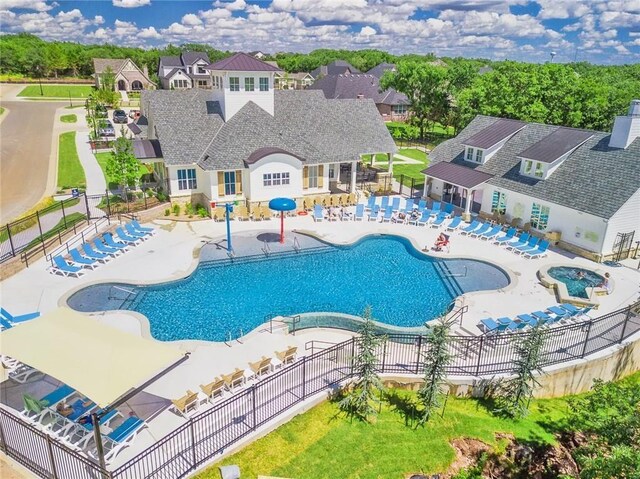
(576,285)
(404,287)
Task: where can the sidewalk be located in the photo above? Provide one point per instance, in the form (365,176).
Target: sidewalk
(96,182)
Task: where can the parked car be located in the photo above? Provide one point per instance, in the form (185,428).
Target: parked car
(120,116)
(134,114)
(101,111)
(106,128)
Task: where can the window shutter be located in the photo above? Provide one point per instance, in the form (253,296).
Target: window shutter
(238,182)
(320,175)
(305,177)
(220,183)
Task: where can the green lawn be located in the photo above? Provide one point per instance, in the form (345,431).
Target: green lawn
(62,225)
(407,171)
(1,110)
(70,171)
(103,158)
(68,118)
(57,91)
(322,443)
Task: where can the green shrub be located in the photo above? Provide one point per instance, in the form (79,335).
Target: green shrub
(148,192)
(167,212)
(176,209)
(188,209)
(202,211)
(140,194)
(161,197)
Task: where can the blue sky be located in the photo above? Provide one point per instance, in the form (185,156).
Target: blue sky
(599,31)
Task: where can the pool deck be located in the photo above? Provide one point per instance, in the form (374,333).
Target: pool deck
(172,253)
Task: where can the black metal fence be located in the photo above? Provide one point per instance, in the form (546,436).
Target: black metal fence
(212,431)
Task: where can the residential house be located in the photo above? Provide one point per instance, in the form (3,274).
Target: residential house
(581,184)
(245,141)
(391,104)
(184,71)
(128,77)
(381,69)
(258,54)
(291,81)
(337,67)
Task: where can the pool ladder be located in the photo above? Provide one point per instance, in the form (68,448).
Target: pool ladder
(265,248)
(296,244)
(229,339)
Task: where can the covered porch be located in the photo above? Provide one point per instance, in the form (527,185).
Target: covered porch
(345,176)
(455,184)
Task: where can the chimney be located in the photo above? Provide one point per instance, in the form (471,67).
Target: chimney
(626,128)
(145,70)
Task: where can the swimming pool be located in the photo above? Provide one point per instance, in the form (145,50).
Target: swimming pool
(219,299)
(576,285)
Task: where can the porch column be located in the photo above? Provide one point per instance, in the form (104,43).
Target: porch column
(390,158)
(354,175)
(466,216)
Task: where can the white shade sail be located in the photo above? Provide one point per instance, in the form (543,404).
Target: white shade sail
(98,361)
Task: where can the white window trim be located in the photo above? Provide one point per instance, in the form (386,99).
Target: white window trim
(250,80)
(187,183)
(535,168)
(231,87)
(313,177)
(260,83)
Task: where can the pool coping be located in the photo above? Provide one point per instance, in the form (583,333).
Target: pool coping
(191,344)
(562,292)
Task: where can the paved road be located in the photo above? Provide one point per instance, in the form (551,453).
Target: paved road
(25,150)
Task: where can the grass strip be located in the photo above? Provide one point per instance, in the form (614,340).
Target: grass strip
(70,170)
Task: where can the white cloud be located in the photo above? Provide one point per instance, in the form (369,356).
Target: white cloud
(231,6)
(98,20)
(563,8)
(191,19)
(150,33)
(367,31)
(37,5)
(621,49)
(130,3)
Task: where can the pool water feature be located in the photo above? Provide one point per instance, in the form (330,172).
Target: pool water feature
(577,280)
(403,286)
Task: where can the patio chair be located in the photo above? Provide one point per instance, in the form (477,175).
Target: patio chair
(439,220)
(435,208)
(492,233)
(395,204)
(81,260)
(577,312)
(544,319)
(213,390)
(371,202)
(18,319)
(242,213)
(266,213)
(108,239)
(307,203)
(89,252)
(559,312)
(130,230)
(527,318)
(489,325)
(61,425)
(35,407)
(235,379)
(143,229)
(539,252)
(359,212)
(121,437)
(424,218)
(408,207)
(530,245)
(373,214)
(352,199)
(344,199)
(388,212)
(384,203)
(454,224)
(422,204)
(65,269)
(288,355)
(483,229)
(22,373)
(318,213)
(187,404)
(256,213)
(219,214)
(82,433)
(473,226)
(508,236)
(261,367)
(521,241)
(127,238)
(449,209)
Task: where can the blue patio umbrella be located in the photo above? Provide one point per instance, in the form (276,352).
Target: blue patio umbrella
(282,205)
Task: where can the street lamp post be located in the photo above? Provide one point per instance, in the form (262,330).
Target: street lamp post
(40,79)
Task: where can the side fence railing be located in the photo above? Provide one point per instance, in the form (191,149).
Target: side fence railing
(214,430)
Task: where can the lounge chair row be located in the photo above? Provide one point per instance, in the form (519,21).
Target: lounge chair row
(89,256)
(241,213)
(190,402)
(526,245)
(8,320)
(66,414)
(344,199)
(561,314)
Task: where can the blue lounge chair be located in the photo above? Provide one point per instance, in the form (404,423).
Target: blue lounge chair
(473,226)
(544,318)
(121,436)
(388,212)
(521,241)
(489,325)
(4,324)
(384,203)
(318,213)
(18,319)
(439,220)
(577,312)
(508,236)
(559,311)
(408,207)
(65,269)
(143,229)
(122,236)
(130,230)
(110,250)
(371,203)
(80,434)
(108,239)
(373,214)
(448,209)
(359,212)
(483,229)
(454,224)
(530,245)
(539,252)
(422,204)
(81,260)
(527,318)
(424,219)
(89,252)
(435,208)
(62,424)
(515,326)
(493,232)
(36,408)
(395,204)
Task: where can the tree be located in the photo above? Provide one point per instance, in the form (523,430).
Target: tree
(425,86)
(435,359)
(122,165)
(363,398)
(515,394)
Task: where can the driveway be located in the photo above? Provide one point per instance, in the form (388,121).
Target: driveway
(26,170)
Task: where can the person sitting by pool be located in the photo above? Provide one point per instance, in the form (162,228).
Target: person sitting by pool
(398,217)
(415,215)
(65,409)
(441,242)
(606,284)
(335,213)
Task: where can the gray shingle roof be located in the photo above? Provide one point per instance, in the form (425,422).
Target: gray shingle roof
(380,69)
(101,64)
(305,124)
(498,131)
(243,63)
(594,178)
(351,86)
(337,67)
(558,143)
(172,61)
(189,58)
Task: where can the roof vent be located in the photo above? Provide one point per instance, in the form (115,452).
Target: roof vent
(626,128)
(360,96)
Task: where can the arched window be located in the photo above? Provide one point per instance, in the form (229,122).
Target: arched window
(122,85)
(136,85)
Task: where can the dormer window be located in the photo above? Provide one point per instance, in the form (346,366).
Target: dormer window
(534,169)
(201,70)
(474,155)
(479,156)
(234,83)
(469,155)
